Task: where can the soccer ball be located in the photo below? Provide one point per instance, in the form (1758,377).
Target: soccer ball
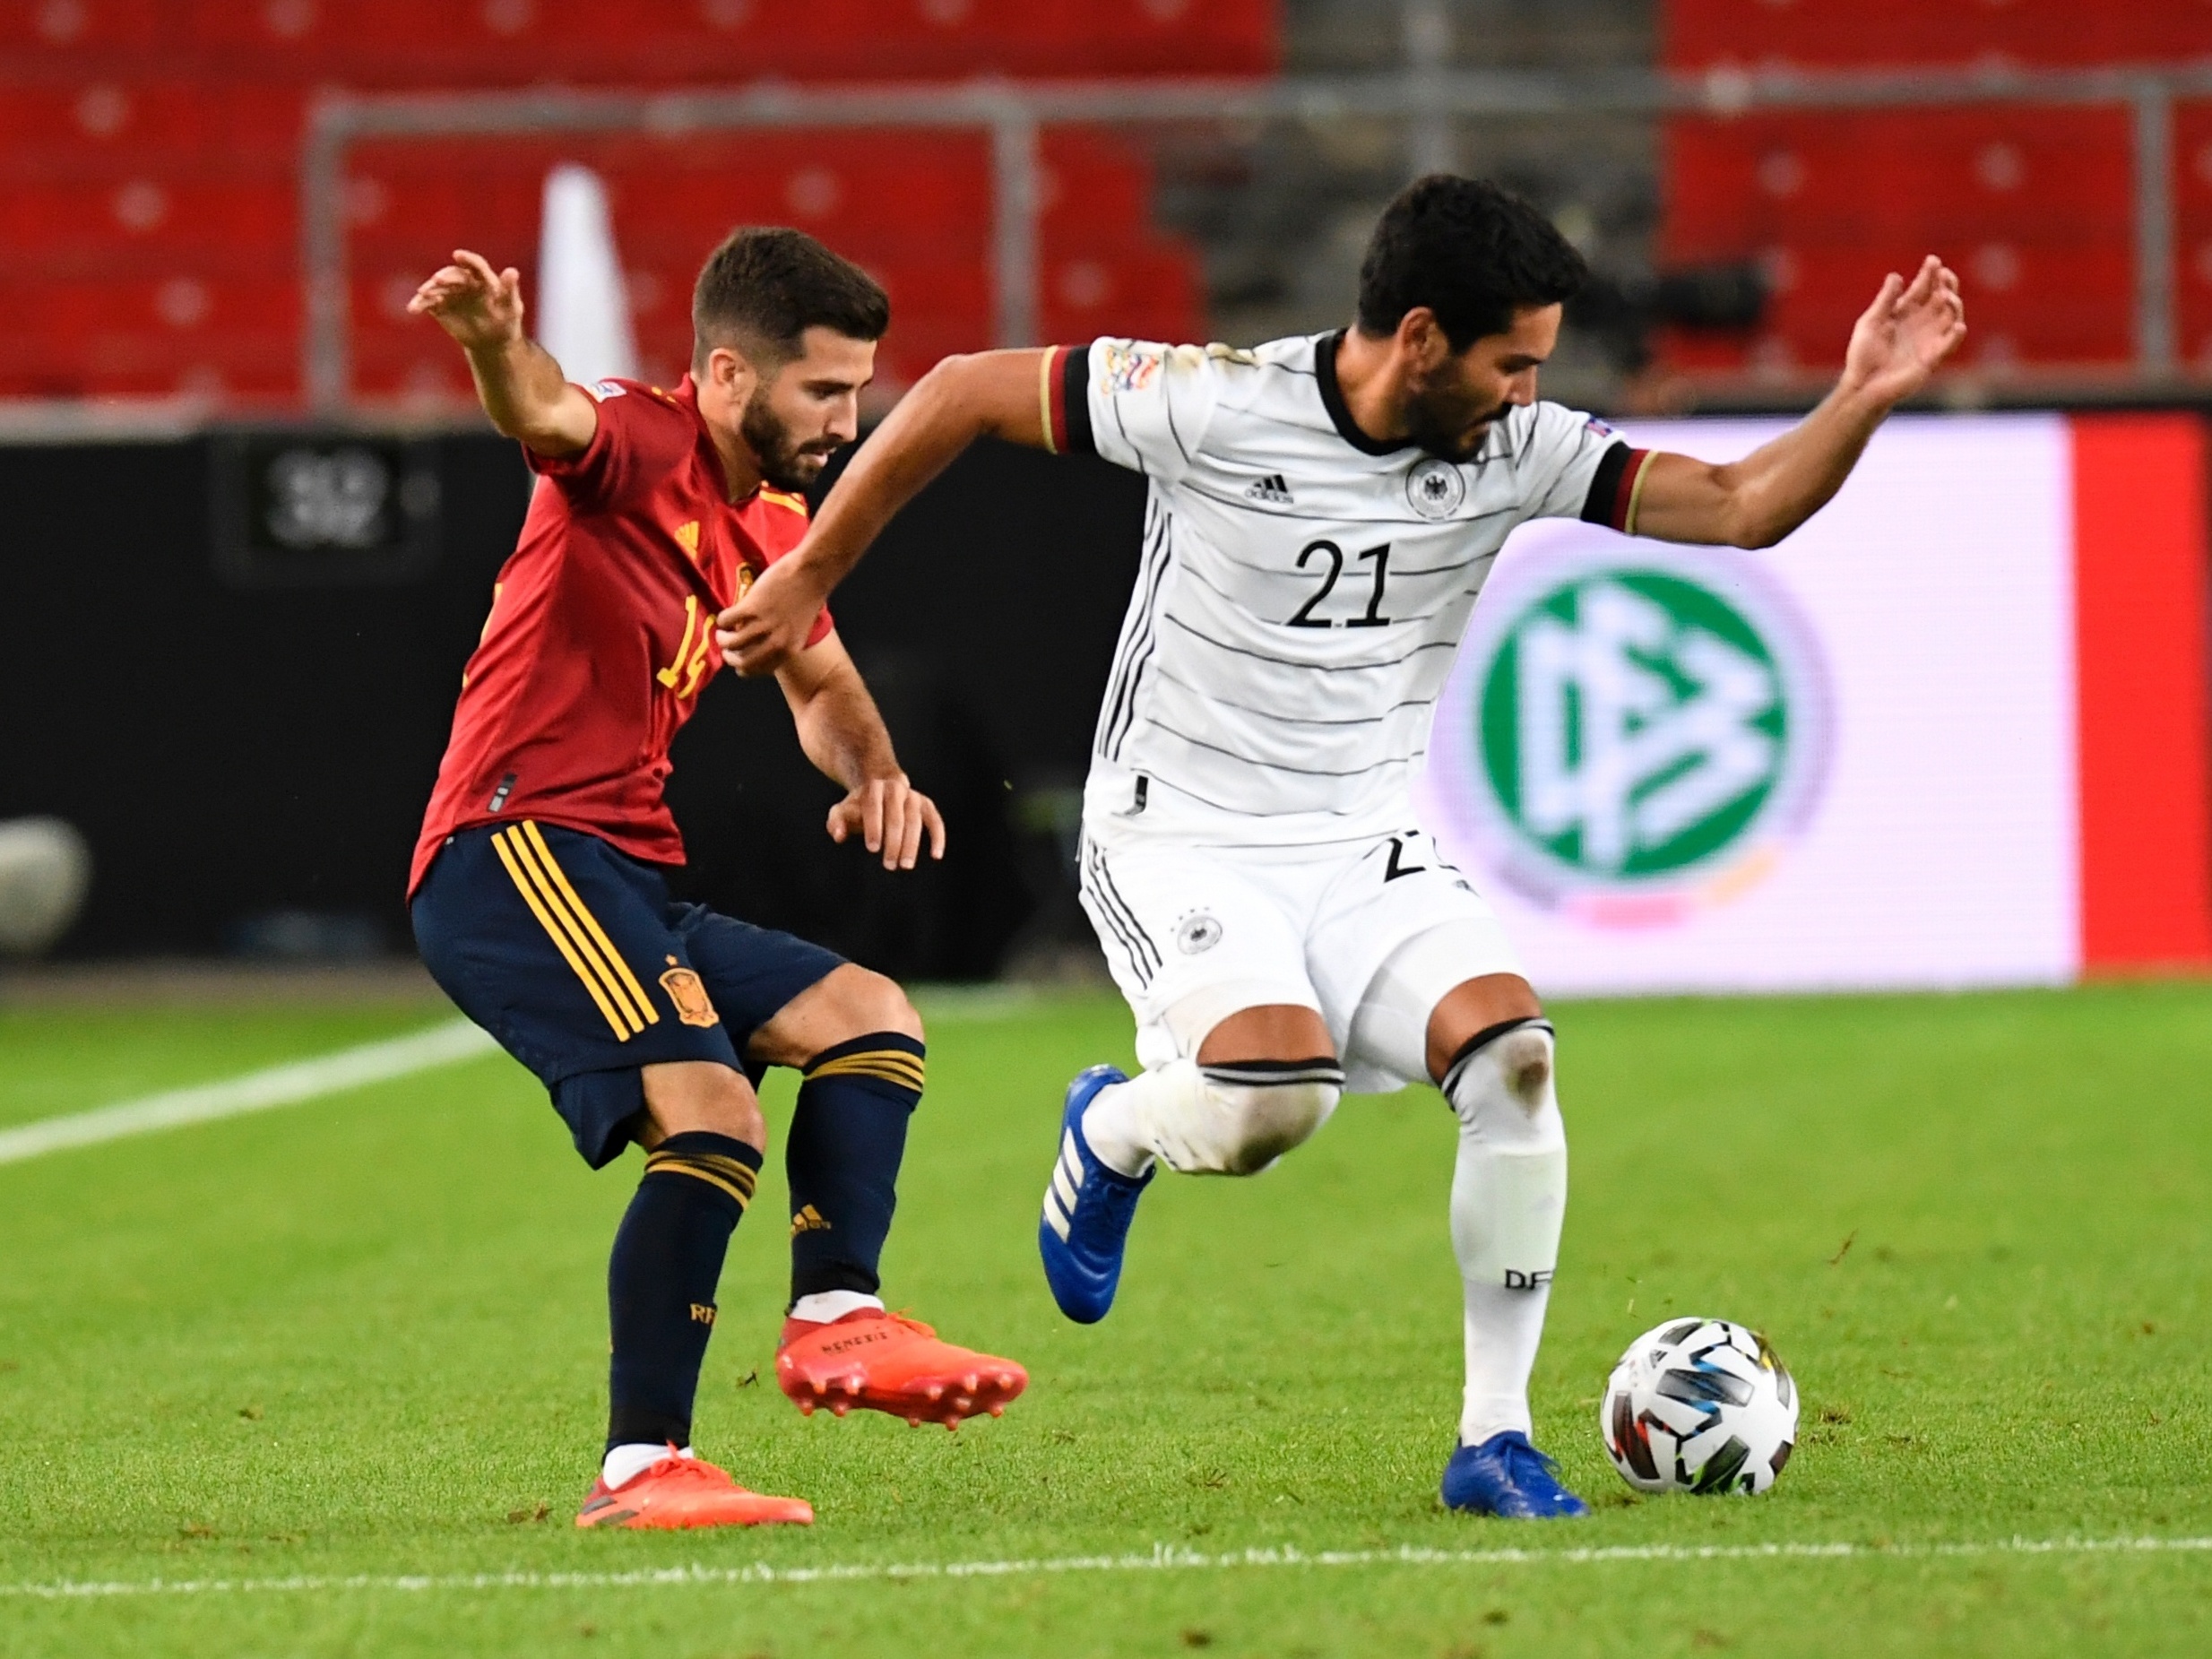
(1699,1405)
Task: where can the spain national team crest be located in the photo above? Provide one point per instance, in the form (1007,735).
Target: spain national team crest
(1435,488)
(689,996)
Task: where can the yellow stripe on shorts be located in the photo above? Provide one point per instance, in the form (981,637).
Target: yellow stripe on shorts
(629,980)
(551,896)
(552,929)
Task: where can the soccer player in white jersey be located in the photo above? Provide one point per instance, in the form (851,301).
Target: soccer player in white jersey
(1323,514)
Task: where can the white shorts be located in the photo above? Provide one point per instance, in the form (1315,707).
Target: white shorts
(1371,937)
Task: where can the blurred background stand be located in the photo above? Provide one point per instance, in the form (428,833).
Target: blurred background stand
(215,403)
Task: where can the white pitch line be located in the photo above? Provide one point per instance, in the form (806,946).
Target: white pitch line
(1163,1558)
(256,1091)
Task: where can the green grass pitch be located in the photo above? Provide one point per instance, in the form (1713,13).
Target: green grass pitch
(363,1339)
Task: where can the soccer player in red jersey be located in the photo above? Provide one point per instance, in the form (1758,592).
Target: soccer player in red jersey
(538,895)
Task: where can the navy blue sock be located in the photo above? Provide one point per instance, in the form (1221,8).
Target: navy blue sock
(661,1280)
(848,1137)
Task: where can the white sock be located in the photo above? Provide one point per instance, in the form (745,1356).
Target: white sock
(824,1306)
(1508,1198)
(626,1463)
(1503,1332)
(1117,1123)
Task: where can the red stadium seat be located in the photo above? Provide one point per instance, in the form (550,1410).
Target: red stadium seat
(1731,186)
(155,142)
(64,30)
(654,42)
(2192,242)
(1698,34)
(127,216)
(226,335)
(2033,207)
(1150,292)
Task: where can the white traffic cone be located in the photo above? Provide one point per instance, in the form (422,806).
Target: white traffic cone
(583,313)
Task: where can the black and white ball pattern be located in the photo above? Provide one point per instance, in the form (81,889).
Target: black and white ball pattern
(1699,1405)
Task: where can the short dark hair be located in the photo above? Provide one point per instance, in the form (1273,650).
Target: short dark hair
(766,286)
(1470,252)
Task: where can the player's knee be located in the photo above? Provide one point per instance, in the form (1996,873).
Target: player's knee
(868,1002)
(1524,1066)
(1502,1087)
(685,1095)
(1261,1109)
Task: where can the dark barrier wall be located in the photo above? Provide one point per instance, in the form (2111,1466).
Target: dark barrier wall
(249,753)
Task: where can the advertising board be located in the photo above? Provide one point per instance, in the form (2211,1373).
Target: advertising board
(1856,759)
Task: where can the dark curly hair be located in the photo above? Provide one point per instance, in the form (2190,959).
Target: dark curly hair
(764,287)
(1470,252)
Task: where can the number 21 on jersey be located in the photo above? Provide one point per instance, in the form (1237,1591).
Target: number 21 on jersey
(1312,554)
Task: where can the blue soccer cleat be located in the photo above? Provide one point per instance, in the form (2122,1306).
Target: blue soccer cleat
(1087,1211)
(1507,1476)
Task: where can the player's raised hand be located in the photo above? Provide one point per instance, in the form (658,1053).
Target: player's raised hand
(1908,330)
(769,626)
(891,816)
(478,306)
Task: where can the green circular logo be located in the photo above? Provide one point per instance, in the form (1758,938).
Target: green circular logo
(1643,727)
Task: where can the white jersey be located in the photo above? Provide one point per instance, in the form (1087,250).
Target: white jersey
(1303,588)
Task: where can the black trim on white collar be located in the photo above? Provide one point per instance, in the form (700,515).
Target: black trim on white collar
(1333,401)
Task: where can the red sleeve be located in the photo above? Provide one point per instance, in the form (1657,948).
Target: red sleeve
(789,516)
(639,440)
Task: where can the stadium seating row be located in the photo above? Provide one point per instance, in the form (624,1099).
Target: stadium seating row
(149,220)
(1698,34)
(2192,135)
(518,42)
(2034,207)
(141,273)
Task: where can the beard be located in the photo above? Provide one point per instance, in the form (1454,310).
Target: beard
(785,463)
(1441,426)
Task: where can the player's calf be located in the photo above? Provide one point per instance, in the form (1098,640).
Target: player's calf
(1509,1185)
(1508,1200)
(857,1042)
(660,1287)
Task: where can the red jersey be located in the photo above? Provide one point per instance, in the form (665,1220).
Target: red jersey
(602,630)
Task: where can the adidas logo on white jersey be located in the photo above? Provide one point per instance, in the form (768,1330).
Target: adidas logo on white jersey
(1270,488)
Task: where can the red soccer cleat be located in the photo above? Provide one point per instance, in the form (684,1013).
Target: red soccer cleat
(683,1491)
(889,1363)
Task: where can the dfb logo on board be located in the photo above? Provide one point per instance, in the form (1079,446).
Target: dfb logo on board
(1650,732)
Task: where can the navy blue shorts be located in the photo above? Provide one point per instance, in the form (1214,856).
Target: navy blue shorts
(575,959)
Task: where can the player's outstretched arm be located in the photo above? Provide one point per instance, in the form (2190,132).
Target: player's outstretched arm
(843,735)
(990,393)
(519,384)
(1755,501)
